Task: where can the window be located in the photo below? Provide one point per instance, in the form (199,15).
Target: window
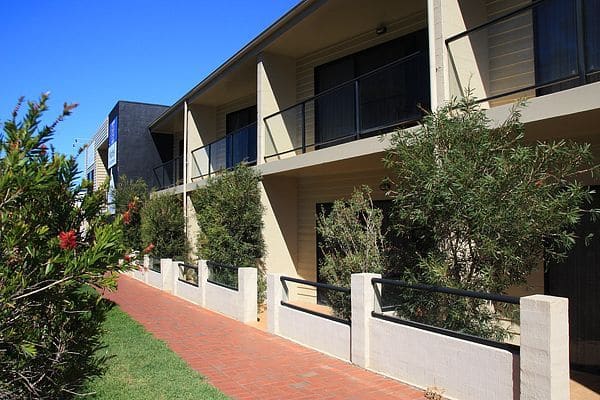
(240,127)
(90,176)
(567,44)
(367,104)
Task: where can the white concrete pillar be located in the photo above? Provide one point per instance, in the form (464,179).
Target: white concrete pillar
(202,277)
(174,275)
(274,297)
(544,353)
(146,268)
(248,289)
(363,303)
(166,273)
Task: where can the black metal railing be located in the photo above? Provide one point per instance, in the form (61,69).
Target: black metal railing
(470,49)
(370,104)
(464,314)
(154,265)
(225,153)
(169,174)
(344,295)
(223,275)
(188,273)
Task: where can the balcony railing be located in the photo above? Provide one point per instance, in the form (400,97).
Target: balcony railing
(387,97)
(169,174)
(541,48)
(225,153)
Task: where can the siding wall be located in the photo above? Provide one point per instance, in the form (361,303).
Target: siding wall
(305,65)
(511,57)
(323,189)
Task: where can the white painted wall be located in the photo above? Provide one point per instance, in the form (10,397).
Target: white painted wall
(327,336)
(154,279)
(464,370)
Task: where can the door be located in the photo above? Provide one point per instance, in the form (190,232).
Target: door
(578,279)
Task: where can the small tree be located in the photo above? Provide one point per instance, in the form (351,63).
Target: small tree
(229,212)
(50,317)
(483,205)
(129,198)
(352,241)
(162,226)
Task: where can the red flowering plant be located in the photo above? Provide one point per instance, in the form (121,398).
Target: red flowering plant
(130,196)
(55,244)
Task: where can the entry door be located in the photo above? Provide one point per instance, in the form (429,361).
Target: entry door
(578,279)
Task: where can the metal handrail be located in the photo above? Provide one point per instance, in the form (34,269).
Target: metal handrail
(209,146)
(317,285)
(579,74)
(358,131)
(188,266)
(493,21)
(444,331)
(153,263)
(212,264)
(163,165)
(442,289)
(341,85)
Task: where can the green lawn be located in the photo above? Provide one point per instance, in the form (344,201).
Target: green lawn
(143,367)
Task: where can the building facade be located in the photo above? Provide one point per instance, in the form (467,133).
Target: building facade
(123,145)
(307,100)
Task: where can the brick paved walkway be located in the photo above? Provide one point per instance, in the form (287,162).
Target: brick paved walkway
(244,362)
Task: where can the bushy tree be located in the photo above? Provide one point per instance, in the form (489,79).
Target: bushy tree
(162,227)
(49,317)
(129,196)
(480,206)
(229,213)
(352,241)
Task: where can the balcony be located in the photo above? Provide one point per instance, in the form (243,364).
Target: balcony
(225,153)
(541,48)
(169,174)
(376,102)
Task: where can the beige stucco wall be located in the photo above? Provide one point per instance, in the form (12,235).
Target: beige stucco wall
(276,90)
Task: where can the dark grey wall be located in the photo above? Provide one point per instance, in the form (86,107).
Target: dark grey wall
(137,154)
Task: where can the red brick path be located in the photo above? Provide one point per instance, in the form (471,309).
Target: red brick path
(244,362)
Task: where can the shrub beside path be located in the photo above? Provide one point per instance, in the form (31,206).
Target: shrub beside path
(244,362)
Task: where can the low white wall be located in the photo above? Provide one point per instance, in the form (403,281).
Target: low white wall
(139,274)
(222,300)
(464,370)
(154,279)
(188,292)
(322,334)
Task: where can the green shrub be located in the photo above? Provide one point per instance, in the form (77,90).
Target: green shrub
(480,208)
(352,241)
(162,225)
(229,213)
(49,315)
(129,198)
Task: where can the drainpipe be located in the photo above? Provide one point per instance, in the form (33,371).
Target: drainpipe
(185,166)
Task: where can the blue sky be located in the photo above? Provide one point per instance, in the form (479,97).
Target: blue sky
(98,52)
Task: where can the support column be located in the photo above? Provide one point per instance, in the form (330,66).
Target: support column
(364,301)
(248,289)
(166,273)
(544,353)
(202,277)
(274,297)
